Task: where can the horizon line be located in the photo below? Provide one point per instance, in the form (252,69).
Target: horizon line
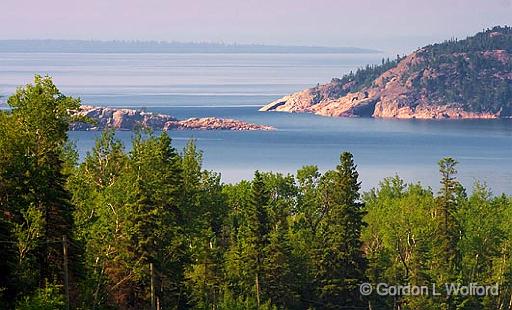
(191,44)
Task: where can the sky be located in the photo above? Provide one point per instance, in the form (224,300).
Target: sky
(389,25)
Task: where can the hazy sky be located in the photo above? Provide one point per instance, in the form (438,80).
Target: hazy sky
(385,24)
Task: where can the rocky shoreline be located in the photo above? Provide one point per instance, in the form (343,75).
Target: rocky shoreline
(130,119)
(388,97)
(458,79)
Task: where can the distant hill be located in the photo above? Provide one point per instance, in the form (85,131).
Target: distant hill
(469,78)
(81,46)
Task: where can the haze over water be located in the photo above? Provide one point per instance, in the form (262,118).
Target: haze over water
(235,85)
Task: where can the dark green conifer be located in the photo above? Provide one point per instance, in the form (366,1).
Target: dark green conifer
(341,261)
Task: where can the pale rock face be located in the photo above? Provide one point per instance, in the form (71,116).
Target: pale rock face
(130,119)
(428,112)
(392,95)
(122,119)
(298,102)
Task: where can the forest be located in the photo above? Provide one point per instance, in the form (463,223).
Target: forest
(471,72)
(149,228)
(362,77)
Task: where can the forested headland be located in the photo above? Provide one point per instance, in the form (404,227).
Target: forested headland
(150,228)
(455,79)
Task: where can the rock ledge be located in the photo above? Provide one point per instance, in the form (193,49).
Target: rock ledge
(130,119)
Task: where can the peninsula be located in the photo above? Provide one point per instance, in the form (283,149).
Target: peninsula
(457,79)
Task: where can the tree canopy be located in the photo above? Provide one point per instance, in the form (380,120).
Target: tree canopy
(150,228)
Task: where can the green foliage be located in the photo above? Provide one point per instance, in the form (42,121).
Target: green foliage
(355,81)
(47,298)
(28,235)
(29,232)
(446,252)
(411,240)
(33,195)
(341,261)
(151,225)
(101,187)
(401,227)
(230,302)
(470,73)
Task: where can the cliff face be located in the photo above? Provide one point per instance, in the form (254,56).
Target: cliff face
(452,80)
(130,119)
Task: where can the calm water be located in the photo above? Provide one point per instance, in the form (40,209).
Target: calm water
(235,85)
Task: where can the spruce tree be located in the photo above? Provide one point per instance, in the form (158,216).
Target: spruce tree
(238,197)
(278,279)
(447,204)
(448,234)
(155,224)
(254,238)
(341,261)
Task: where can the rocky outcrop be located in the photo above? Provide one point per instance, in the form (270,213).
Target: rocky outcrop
(213,123)
(392,95)
(98,118)
(435,82)
(122,119)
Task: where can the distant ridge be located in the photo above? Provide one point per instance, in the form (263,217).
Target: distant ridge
(83,46)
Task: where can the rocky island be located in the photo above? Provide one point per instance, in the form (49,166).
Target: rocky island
(99,118)
(457,79)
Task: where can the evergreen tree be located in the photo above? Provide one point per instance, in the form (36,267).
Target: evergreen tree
(341,259)
(238,197)
(278,279)
(150,228)
(278,283)
(449,232)
(305,223)
(448,258)
(254,238)
(191,194)
(155,226)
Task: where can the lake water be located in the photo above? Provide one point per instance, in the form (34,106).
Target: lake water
(235,85)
